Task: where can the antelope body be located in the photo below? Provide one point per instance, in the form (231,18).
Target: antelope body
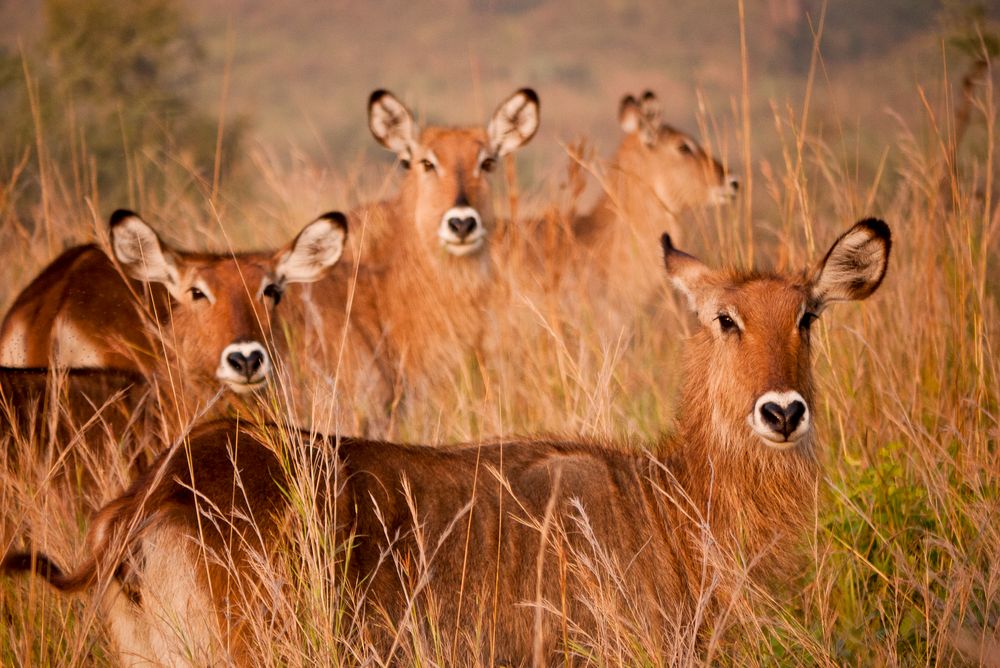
(493,541)
(60,418)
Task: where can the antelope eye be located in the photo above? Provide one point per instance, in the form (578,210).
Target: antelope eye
(488,164)
(197,295)
(427,165)
(273,292)
(685,148)
(727,324)
(404,163)
(807,320)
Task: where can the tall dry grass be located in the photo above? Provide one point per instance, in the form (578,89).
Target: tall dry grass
(900,567)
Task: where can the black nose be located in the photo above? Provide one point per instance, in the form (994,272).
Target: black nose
(462,227)
(783,420)
(246,365)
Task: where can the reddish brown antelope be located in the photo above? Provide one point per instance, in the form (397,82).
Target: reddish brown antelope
(657,173)
(430,243)
(494,539)
(208,315)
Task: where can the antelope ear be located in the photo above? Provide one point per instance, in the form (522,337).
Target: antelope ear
(314,251)
(652,110)
(140,251)
(514,122)
(392,124)
(629,114)
(855,265)
(651,117)
(688,274)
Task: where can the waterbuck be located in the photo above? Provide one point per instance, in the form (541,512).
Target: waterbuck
(430,244)
(191,320)
(503,545)
(656,174)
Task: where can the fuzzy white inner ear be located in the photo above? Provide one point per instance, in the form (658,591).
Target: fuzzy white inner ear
(853,267)
(689,276)
(629,119)
(683,288)
(139,249)
(317,248)
(392,124)
(513,124)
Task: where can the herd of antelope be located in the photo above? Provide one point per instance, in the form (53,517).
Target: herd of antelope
(134,325)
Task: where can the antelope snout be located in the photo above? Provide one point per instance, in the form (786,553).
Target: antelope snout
(244,366)
(780,418)
(727,190)
(461,231)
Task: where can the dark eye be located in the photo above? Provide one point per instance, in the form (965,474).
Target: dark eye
(197,294)
(727,324)
(685,148)
(404,163)
(273,292)
(427,164)
(807,320)
(488,164)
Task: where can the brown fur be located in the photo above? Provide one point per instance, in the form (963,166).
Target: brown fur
(60,406)
(67,418)
(432,303)
(648,188)
(675,523)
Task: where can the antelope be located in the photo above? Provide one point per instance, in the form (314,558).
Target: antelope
(208,315)
(657,173)
(430,243)
(497,525)
(656,169)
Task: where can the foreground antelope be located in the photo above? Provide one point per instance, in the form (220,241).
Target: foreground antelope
(431,242)
(208,315)
(734,482)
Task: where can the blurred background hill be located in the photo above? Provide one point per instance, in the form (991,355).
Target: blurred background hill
(111,81)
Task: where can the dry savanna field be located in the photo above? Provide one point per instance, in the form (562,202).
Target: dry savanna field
(549,332)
